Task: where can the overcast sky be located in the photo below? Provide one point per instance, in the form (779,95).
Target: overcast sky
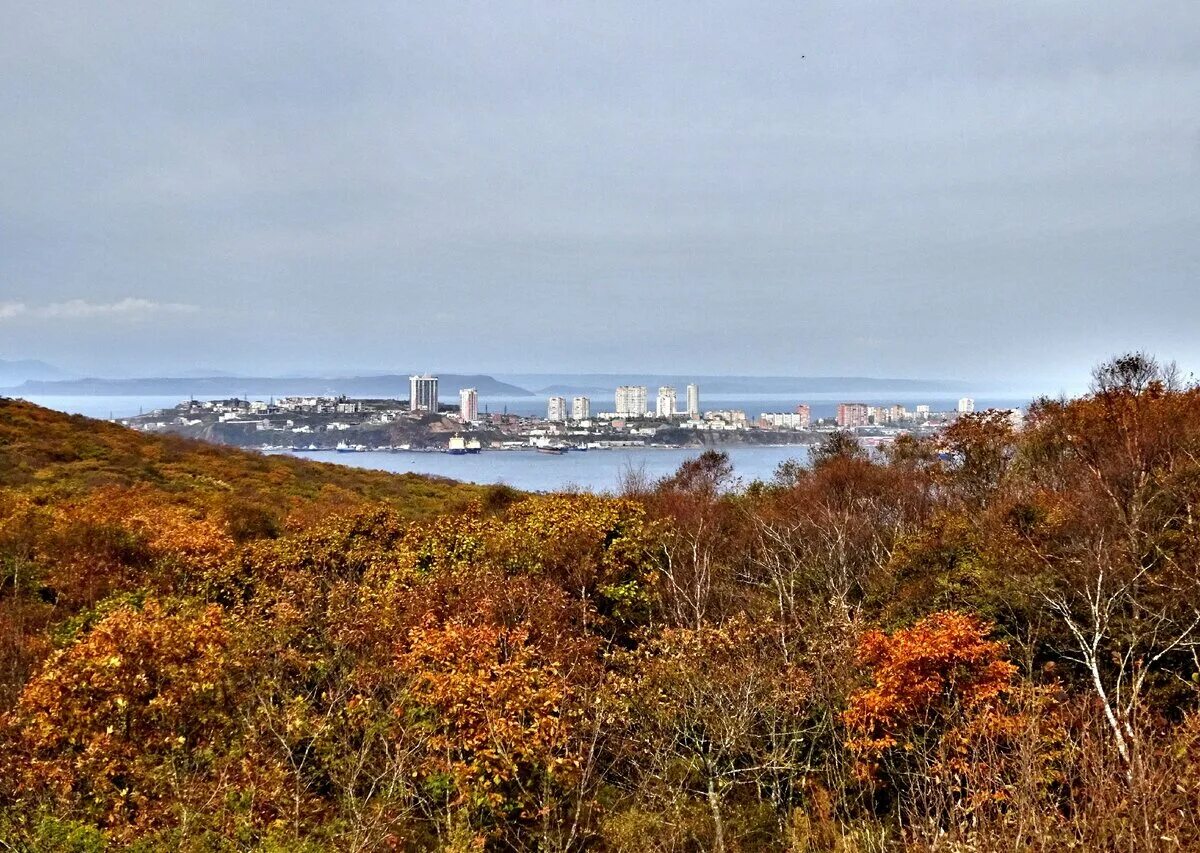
(1005,190)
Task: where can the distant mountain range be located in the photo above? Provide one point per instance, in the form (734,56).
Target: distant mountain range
(392,385)
(34,378)
(15,372)
(549,383)
(567,388)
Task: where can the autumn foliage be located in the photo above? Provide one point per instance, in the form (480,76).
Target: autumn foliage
(501,716)
(124,724)
(941,673)
(984,642)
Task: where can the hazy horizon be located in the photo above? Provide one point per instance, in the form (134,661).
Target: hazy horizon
(538,381)
(544,383)
(992,193)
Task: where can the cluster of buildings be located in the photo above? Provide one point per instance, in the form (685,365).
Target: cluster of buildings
(235,407)
(569,422)
(629,402)
(855,415)
(632,408)
(632,401)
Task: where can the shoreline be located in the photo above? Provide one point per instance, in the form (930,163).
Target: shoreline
(441,451)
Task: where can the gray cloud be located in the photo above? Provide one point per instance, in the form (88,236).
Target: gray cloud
(1006,190)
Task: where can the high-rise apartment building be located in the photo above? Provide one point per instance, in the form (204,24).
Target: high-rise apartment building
(556,409)
(631,401)
(581,409)
(693,401)
(805,415)
(922,412)
(423,393)
(850,415)
(665,406)
(468,405)
(966,406)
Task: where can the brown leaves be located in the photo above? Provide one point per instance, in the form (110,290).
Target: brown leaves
(94,728)
(937,674)
(500,710)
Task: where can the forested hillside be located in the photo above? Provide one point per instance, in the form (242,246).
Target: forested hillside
(47,454)
(985,642)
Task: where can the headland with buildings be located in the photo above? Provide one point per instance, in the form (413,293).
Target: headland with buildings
(424,422)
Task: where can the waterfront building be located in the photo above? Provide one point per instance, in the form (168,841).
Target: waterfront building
(665,407)
(784,420)
(423,393)
(966,406)
(581,409)
(468,405)
(726,419)
(851,415)
(556,409)
(805,414)
(631,401)
(693,401)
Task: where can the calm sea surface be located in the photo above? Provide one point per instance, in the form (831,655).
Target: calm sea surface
(593,470)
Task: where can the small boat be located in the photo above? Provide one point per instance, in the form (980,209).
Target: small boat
(553,450)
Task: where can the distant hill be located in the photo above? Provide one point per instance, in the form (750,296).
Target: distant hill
(208,373)
(394,385)
(574,389)
(23,370)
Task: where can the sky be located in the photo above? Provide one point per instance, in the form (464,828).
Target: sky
(1005,191)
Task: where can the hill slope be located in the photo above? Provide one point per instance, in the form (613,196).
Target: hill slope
(47,452)
(24,370)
